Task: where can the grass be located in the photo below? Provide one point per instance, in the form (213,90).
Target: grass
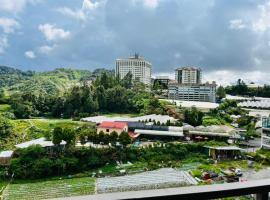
(28,129)
(2,185)
(4,107)
(223,165)
(50,189)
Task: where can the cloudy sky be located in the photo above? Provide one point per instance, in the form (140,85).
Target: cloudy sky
(228,39)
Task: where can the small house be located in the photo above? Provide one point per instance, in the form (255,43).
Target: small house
(5,157)
(224,152)
(109,127)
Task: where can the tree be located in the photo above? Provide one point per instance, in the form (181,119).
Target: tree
(193,116)
(221,93)
(126,82)
(113,137)
(124,138)
(100,95)
(2,96)
(68,135)
(101,137)
(6,127)
(57,135)
(82,138)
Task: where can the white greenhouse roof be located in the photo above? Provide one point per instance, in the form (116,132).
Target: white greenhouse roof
(209,134)
(41,141)
(6,154)
(157,133)
(255,104)
(197,104)
(228,148)
(99,119)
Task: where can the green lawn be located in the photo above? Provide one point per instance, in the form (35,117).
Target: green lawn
(50,189)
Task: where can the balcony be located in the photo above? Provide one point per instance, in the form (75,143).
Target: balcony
(260,188)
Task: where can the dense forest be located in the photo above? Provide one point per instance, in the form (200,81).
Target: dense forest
(52,82)
(105,94)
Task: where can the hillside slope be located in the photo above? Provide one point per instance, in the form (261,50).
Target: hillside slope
(49,82)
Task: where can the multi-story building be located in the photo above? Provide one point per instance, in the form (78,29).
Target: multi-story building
(193,92)
(265,138)
(162,80)
(140,69)
(188,75)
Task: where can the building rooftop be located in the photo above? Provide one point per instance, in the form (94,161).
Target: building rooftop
(116,125)
(41,141)
(225,148)
(6,154)
(101,118)
(193,84)
(255,104)
(188,68)
(159,133)
(197,104)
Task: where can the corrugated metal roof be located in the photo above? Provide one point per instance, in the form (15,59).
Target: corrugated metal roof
(157,133)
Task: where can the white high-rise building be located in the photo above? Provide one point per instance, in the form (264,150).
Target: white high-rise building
(188,75)
(140,69)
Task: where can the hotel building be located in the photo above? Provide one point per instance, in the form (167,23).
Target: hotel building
(140,69)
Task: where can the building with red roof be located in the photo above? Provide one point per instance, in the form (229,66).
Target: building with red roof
(108,127)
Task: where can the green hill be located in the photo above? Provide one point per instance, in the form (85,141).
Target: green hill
(10,76)
(49,82)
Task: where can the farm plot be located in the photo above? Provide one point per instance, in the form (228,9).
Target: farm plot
(50,189)
(162,178)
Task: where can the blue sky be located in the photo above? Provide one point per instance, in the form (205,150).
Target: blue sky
(228,39)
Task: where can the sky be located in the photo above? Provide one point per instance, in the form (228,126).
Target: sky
(228,39)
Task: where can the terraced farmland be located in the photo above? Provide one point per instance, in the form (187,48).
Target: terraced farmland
(50,189)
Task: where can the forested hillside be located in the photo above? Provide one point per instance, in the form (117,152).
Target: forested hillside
(49,83)
(10,76)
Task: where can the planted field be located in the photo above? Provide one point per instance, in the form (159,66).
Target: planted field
(50,189)
(48,124)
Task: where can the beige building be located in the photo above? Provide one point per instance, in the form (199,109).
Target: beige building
(109,127)
(188,75)
(140,69)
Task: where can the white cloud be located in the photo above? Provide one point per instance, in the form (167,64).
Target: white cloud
(263,22)
(150,3)
(78,14)
(46,49)
(226,77)
(8,25)
(3,44)
(82,13)
(12,5)
(89,5)
(15,6)
(237,24)
(30,54)
(53,33)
